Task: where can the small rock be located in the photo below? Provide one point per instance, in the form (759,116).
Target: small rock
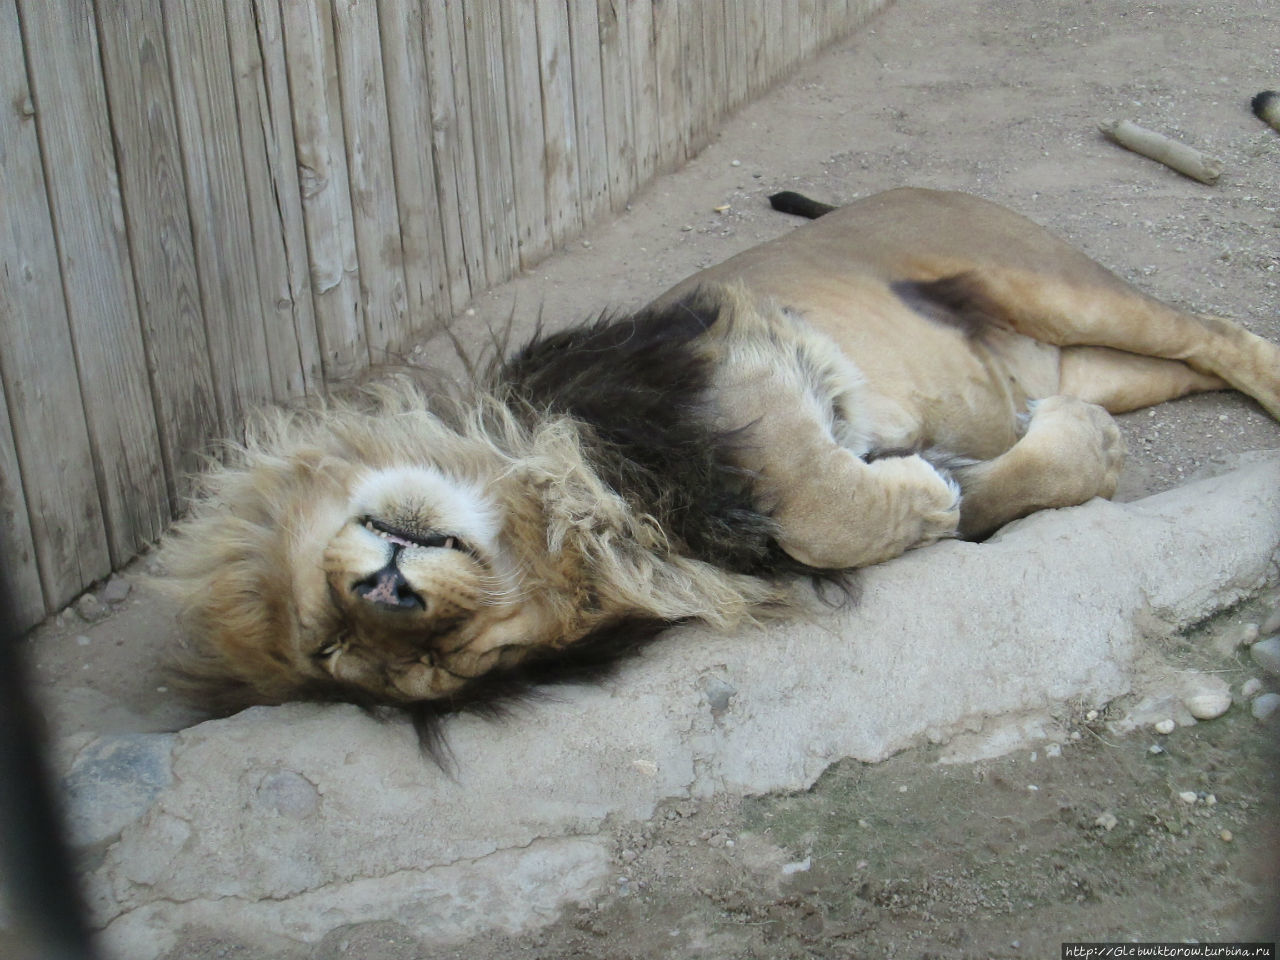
(1251,688)
(1265,705)
(1187,796)
(83,641)
(116,590)
(1226,836)
(1165,726)
(90,608)
(1106,820)
(1208,706)
(1091,716)
(1155,749)
(1266,653)
(800,866)
(1272,623)
(1053,751)
(735,163)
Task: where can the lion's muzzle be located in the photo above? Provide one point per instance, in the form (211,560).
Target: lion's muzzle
(388,588)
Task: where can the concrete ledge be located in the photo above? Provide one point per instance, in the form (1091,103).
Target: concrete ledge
(288,822)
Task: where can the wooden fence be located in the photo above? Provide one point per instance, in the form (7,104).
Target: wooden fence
(213,204)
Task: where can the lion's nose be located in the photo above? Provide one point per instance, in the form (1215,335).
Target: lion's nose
(388,588)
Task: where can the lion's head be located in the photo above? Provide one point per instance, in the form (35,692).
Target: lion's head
(384,554)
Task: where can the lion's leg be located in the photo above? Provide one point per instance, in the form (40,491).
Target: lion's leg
(1071,452)
(1126,381)
(1109,313)
(834,510)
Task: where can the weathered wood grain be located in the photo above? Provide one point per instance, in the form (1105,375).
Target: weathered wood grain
(80,174)
(401,23)
(274,197)
(560,124)
(312,70)
(528,138)
(49,469)
(149,155)
(379,255)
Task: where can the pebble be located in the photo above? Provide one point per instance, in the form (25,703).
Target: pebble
(115,591)
(1266,653)
(1208,706)
(1251,688)
(1272,623)
(1165,726)
(90,608)
(1155,749)
(1187,796)
(1227,836)
(1265,705)
(800,866)
(1106,820)
(1053,751)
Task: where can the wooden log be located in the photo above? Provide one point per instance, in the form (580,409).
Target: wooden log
(1177,156)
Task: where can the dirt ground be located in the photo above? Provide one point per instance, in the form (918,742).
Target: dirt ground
(1002,857)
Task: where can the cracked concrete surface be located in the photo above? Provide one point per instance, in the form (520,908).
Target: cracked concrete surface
(285,823)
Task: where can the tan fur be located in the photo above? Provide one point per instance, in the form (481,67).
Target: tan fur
(818,361)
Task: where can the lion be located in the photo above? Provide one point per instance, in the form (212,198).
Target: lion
(915,366)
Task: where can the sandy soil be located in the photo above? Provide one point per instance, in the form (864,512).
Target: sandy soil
(911,858)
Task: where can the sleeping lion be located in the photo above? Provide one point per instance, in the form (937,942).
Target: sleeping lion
(914,366)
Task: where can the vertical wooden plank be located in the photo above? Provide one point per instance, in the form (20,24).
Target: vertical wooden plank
(560,123)
(149,156)
(693,80)
(322,176)
(588,102)
(18,569)
(62,45)
(455,141)
(37,363)
(455,226)
(644,88)
(672,105)
(427,284)
(713,44)
(528,139)
(207,125)
(757,62)
(482,30)
(735,56)
(275,199)
(379,255)
(619,121)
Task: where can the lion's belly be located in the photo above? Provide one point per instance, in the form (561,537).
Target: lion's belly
(929,384)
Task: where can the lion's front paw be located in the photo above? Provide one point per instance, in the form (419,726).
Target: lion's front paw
(926,501)
(1083,442)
